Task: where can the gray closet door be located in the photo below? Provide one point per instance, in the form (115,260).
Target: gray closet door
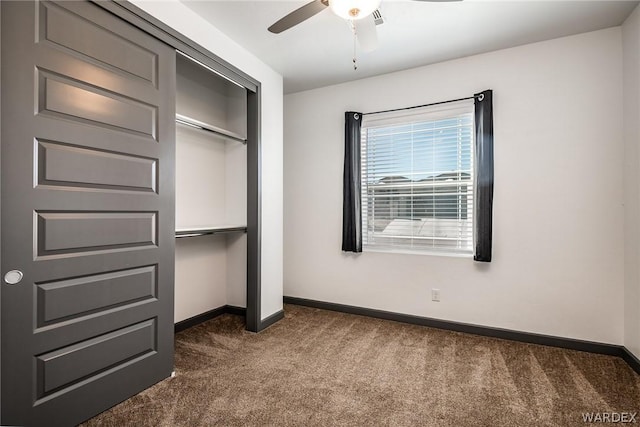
(87,212)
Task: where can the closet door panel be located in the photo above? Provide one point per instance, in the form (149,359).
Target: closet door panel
(80,102)
(87,213)
(61,27)
(74,166)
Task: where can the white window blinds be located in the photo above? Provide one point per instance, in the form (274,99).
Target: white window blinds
(417,179)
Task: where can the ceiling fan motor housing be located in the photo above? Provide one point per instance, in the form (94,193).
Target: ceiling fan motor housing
(353,9)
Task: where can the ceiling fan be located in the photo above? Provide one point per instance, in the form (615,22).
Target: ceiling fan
(354,11)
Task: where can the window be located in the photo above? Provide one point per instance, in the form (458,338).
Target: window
(418,179)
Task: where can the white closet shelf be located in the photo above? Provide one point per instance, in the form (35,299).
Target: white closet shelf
(202,231)
(188,121)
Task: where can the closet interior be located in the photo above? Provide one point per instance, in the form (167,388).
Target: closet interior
(211,191)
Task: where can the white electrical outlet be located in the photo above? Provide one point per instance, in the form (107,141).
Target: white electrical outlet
(435,295)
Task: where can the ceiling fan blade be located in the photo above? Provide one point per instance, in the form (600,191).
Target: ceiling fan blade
(367,34)
(299,15)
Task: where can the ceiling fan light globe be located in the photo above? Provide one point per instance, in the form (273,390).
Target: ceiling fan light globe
(353,9)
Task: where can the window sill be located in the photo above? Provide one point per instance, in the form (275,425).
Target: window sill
(421,252)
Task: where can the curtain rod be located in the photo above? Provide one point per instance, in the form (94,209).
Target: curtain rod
(479,96)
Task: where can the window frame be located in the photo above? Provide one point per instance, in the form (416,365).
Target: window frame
(428,114)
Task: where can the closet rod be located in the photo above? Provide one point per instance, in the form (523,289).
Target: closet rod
(195,232)
(188,121)
(217,73)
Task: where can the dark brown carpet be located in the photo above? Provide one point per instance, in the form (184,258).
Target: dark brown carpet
(320,368)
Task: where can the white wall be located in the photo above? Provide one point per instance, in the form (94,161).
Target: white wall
(631,71)
(558,236)
(210,271)
(200,273)
(187,22)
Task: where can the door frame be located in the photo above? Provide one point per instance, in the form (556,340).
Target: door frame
(0,191)
(151,25)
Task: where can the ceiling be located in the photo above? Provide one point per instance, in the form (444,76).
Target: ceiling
(319,51)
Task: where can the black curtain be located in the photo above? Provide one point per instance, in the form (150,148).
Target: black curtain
(484,175)
(351,211)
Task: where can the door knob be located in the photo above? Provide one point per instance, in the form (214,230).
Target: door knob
(13,277)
